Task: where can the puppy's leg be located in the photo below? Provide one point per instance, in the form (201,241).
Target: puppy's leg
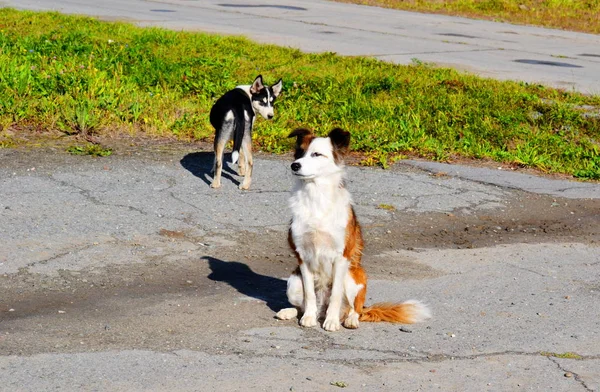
(242,163)
(332,317)
(222,136)
(309,319)
(247,162)
(295,295)
(218,165)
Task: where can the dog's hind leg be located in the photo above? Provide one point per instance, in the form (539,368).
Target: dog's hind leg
(218,165)
(295,295)
(242,164)
(355,291)
(246,159)
(222,136)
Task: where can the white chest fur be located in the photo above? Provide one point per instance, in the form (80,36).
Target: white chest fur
(320,214)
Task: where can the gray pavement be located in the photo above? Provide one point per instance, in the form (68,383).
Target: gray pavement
(503,51)
(129,273)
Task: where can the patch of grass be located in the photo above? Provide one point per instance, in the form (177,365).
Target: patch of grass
(82,76)
(567,355)
(90,149)
(572,15)
(7,143)
(387,207)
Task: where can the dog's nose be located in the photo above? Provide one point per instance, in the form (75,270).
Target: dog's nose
(270,116)
(296,166)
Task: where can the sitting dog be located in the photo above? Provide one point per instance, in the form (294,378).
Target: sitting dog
(232,116)
(326,238)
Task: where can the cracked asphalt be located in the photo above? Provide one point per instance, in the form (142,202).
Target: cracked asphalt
(128,273)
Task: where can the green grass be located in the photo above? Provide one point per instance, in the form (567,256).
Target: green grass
(81,76)
(575,15)
(567,355)
(90,149)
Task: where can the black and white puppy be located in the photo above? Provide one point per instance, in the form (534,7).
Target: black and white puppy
(232,116)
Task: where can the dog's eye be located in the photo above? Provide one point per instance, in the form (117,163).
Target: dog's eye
(316,154)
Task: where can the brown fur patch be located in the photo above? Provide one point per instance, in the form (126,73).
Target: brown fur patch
(303,139)
(340,140)
(354,241)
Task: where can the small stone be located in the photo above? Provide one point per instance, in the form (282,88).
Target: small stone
(11,310)
(568,374)
(61,311)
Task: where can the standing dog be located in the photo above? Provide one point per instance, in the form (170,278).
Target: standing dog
(326,237)
(232,116)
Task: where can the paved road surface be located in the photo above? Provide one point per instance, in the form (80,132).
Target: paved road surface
(129,273)
(553,57)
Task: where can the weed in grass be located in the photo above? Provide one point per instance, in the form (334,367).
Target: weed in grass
(567,355)
(7,143)
(90,149)
(84,76)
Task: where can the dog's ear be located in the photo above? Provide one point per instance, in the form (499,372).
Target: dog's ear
(340,140)
(303,138)
(257,85)
(277,87)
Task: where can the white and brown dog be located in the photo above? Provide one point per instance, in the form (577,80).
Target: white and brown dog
(325,235)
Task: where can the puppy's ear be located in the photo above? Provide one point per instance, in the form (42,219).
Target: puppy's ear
(303,138)
(257,85)
(277,87)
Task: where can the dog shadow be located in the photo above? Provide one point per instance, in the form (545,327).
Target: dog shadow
(200,164)
(245,281)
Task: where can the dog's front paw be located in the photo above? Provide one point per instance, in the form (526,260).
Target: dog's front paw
(215,184)
(331,324)
(287,314)
(308,320)
(351,321)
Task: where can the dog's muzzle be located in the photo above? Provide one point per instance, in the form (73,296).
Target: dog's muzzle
(296,166)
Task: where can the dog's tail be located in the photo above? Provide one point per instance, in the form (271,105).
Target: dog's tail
(238,135)
(408,312)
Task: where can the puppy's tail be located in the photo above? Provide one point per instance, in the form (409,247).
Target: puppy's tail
(408,312)
(238,136)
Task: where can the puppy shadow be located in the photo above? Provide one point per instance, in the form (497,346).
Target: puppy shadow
(200,164)
(244,280)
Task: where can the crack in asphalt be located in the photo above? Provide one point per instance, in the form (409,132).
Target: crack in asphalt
(576,376)
(86,193)
(401,357)
(58,256)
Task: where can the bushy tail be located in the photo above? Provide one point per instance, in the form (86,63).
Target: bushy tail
(406,313)
(238,135)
